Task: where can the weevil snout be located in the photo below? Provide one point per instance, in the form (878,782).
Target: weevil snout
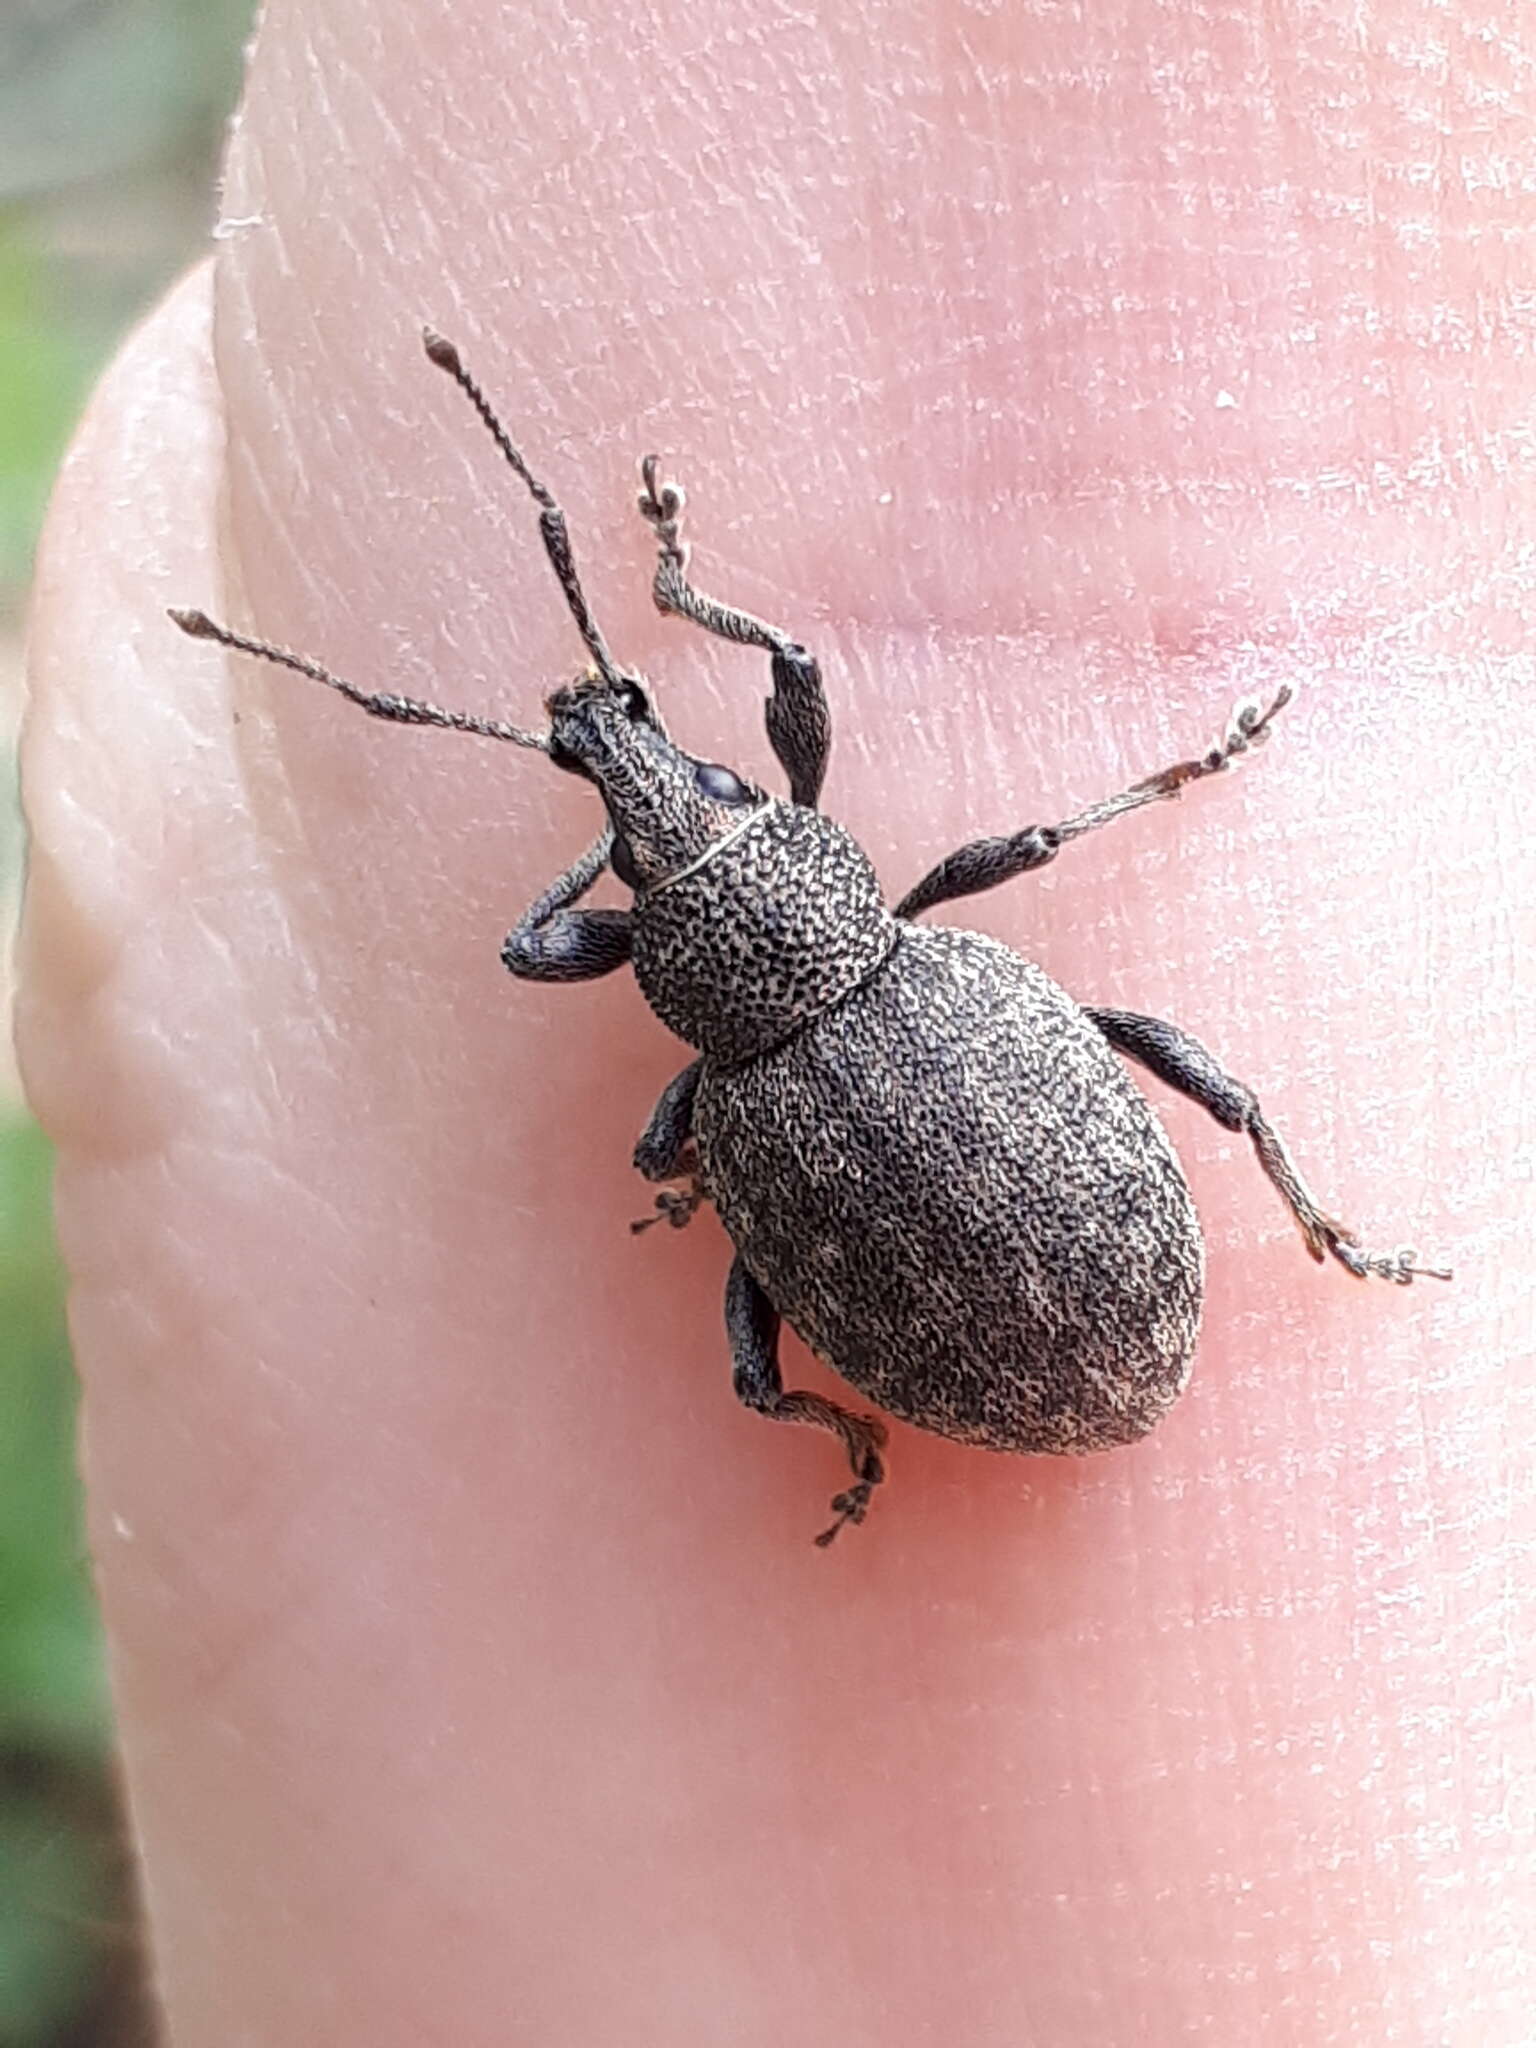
(666,808)
(600,729)
(594,693)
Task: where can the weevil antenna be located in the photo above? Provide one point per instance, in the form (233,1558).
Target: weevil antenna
(552,526)
(403,710)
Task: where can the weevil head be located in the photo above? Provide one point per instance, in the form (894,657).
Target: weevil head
(750,914)
(667,809)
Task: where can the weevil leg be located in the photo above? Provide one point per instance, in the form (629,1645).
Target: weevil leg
(984,863)
(752,1323)
(671,1126)
(799,723)
(552,942)
(1184,1063)
(661,1152)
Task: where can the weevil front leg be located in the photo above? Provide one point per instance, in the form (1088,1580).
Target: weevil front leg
(1184,1063)
(553,942)
(799,723)
(984,863)
(752,1323)
(660,1154)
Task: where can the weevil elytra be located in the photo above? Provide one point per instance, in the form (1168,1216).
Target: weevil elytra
(928,1157)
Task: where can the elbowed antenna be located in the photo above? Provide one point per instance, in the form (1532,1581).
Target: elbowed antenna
(552,527)
(403,710)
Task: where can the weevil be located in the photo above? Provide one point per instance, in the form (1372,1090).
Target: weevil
(928,1157)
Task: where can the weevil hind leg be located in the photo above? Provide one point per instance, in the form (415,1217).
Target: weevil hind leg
(1184,1063)
(753,1324)
(799,722)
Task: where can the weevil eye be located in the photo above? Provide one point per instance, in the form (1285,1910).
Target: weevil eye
(622,861)
(633,701)
(720,784)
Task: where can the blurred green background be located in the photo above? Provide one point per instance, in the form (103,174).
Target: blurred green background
(111,113)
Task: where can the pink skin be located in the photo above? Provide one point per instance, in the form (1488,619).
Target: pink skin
(1061,376)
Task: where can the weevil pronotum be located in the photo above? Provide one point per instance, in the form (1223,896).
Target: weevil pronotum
(927,1156)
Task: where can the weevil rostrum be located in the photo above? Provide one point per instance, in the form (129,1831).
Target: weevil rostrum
(928,1157)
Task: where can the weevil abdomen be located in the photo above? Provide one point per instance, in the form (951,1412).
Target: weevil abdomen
(951,1191)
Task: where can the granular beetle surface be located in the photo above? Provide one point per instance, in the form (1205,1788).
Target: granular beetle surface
(929,1158)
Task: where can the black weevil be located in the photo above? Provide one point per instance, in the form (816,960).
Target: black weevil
(926,1154)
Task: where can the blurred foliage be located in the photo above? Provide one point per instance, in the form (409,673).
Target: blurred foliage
(111,113)
(94,88)
(50,1681)
(110,117)
(43,371)
(61,1882)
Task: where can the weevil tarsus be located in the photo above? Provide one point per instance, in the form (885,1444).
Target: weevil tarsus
(674,1206)
(753,1324)
(798,718)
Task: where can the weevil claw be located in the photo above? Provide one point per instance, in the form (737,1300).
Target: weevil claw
(677,1206)
(851,1506)
(1400,1266)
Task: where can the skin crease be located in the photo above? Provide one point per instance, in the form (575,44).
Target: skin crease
(1061,376)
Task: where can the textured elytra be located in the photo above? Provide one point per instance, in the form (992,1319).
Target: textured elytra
(952,1192)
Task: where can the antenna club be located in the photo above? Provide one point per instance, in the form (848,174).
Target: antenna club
(198,624)
(441,351)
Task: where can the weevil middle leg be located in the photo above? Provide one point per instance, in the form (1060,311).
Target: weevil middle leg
(659,1154)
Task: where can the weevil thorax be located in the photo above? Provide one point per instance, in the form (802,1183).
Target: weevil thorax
(775,924)
(751,915)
